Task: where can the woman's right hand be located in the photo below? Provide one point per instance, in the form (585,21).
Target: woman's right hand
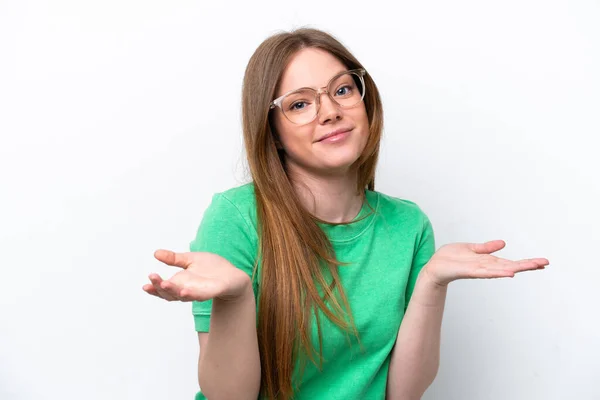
(204,276)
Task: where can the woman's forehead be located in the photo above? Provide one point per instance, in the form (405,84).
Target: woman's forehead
(309,68)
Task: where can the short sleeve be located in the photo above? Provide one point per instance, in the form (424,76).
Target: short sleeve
(423,252)
(224,231)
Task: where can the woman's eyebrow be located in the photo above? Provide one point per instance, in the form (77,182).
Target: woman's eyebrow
(314,87)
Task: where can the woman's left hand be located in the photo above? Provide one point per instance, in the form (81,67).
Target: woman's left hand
(474,261)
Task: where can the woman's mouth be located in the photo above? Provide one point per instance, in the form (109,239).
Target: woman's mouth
(336,137)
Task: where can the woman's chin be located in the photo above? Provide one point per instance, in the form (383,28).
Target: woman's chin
(338,165)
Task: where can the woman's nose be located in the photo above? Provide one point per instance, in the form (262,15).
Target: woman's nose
(328,109)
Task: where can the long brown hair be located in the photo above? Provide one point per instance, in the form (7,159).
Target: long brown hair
(296,255)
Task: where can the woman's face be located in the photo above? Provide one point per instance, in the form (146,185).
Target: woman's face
(304,150)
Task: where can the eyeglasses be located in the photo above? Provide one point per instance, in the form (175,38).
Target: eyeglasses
(301,106)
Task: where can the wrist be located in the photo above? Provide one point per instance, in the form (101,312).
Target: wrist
(430,279)
(428,292)
(245,293)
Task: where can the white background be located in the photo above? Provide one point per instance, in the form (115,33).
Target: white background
(119,120)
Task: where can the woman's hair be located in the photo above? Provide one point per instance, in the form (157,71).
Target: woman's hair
(298,260)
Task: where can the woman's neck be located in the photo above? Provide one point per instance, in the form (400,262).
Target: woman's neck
(332,199)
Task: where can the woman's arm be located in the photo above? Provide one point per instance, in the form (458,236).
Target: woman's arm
(415,358)
(229,363)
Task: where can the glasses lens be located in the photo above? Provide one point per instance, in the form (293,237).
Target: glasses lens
(347,90)
(299,106)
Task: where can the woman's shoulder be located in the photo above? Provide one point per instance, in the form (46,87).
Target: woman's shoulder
(239,200)
(239,195)
(398,206)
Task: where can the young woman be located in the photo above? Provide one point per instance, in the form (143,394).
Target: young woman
(307,283)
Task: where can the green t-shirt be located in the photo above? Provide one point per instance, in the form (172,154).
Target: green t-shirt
(387,250)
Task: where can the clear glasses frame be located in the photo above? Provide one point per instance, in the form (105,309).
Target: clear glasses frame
(360,72)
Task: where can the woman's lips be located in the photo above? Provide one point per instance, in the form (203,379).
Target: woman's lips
(338,137)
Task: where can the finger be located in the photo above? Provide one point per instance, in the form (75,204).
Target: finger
(525,265)
(190,294)
(173,259)
(160,295)
(149,288)
(538,261)
(156,282)
(489,273)
(172,289)
(532,266)
(198,292)
(534,263)
(487,247)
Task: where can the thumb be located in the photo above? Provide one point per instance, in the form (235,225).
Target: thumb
(487,247)
(174,259)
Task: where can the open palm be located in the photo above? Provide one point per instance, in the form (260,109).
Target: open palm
(474,261)
(203,276)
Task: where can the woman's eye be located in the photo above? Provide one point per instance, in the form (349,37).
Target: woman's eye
(343,90)
(299,105)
